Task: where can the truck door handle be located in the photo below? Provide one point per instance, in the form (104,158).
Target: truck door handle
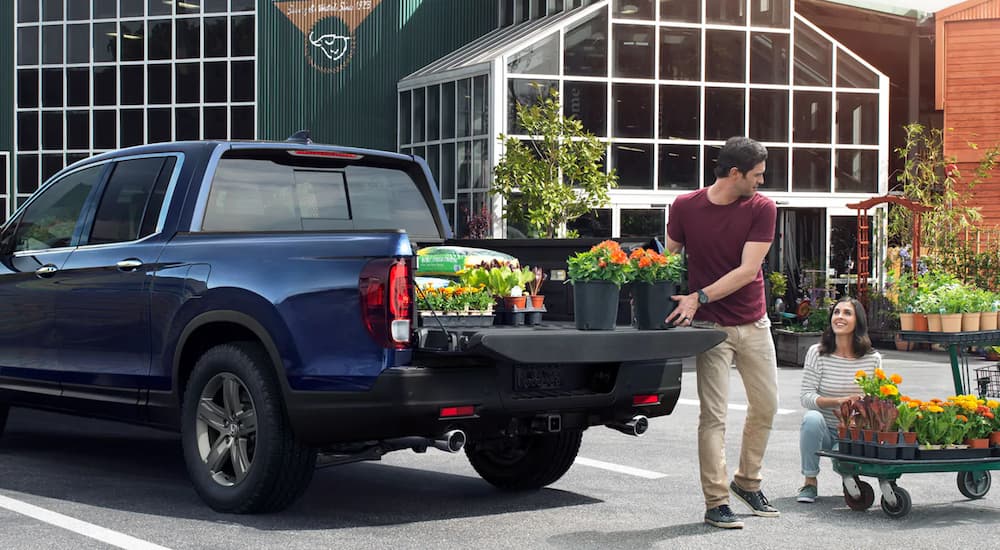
(130,264)
(46,271)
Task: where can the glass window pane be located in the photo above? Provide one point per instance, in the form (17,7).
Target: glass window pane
(480,177)
(857,171)
(131,8)
(678,167)
(711,159)
(78,43)
(634,9)
(243,81)
(726,12)
(132,127)
(119,214)
(633,110)
(688,11)
(596,223)
(813,57)
(434,161)
(588,103)
(105,86)
(215,6)
(769,13)
(523,92)
(51,164)
(852,74)
(78,130)
(187,83)
(464,99)
(159,7)
(216,82)
(187,7)
(811,170)
(52,87)
(27,87)
(680,54)
(679,108)
(27,173)
(243,5)
(132,38)
(586,48)
(768,58)
(105,130)
(158,125)
(448,110)
(541,58)
(857,119)
(160,80)
(160,31)
(50,220)
(812,117)
(216,36)
(105,9)
(52,10)
(242,35)
(131,84)
(776,174)
(724,113)
(725,60)
(433,112)
(105,42)
(633,162)
(188,38)
(27,131)
(404,117)
(52,130)
(27,11)
(52,44)
(216,125)
(27,46)
(463,152)
(769,115)
(188,125)
(77,11)
(643,223)
(480,106)
(244,123)
(634,51)
(419,124)
(447,178)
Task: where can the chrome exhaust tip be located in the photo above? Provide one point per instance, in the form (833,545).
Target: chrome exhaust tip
(451,441)
(635,427)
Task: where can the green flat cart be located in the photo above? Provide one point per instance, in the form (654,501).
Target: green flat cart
(973,474)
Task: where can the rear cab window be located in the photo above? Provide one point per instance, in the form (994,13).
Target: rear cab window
(279,190)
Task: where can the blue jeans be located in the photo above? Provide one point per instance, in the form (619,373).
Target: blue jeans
(814,435)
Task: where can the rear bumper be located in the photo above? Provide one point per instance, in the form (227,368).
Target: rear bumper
(407,400)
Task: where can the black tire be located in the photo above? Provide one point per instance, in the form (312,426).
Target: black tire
(528,462)
(974,484)
(863,502)
(903,503)
(262,467)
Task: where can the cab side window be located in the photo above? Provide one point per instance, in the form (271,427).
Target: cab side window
(51,218)
(130,205)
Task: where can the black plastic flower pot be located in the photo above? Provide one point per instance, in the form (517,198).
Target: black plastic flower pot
(652,304)
(595,305)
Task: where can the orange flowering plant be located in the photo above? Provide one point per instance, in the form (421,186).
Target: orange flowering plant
(649,266)
(603,262)
(879,385)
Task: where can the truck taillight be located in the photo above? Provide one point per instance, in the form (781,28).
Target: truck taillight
(386,301)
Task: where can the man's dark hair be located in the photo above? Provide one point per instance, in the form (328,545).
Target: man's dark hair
(741,153)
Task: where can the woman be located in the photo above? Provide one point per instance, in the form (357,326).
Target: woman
(828,381)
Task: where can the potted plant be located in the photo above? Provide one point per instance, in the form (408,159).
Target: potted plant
(779,286)
(535,287)
(906,416)
(454,305)
(655,278)
(597,276)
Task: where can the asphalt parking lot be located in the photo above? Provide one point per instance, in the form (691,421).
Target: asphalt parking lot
(75,483)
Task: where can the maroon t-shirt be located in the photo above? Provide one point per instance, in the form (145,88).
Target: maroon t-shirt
(713,237)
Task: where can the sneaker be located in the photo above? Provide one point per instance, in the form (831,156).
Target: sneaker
(755,500)
(807,494)
(723,516)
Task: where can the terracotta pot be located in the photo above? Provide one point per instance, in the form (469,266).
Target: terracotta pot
(869,436)
(920,322)
(905,321)
(951,322)
(909,438)
(970,322)
(988,320)
(888,438)
(855,433)
(934,322)
(995,439)
(537,300)
(511,302)
(903,345)
(978,443)
(842,432)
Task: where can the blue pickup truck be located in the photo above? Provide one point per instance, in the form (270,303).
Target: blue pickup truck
(258,297)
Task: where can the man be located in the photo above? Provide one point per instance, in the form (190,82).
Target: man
(726,230)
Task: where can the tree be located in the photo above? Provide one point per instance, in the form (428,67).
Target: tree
(554,177)
(930,178)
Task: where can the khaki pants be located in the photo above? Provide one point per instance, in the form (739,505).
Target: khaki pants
(751,349)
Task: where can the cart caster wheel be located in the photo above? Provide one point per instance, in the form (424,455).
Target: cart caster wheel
(974,484)
(903,503)
(864,501)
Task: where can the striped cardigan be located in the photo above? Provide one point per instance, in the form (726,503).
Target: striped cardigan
(832,376)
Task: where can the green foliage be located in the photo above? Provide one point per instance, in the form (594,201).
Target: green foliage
(498,281)
(779,283)
(556,176)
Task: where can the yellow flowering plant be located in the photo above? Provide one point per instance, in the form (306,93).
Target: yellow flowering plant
(879,385)
(454,298)
(932,424)
(907,416)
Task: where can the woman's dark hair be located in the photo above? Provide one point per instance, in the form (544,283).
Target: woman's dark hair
(861,343)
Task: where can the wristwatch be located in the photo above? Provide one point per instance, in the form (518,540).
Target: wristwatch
(702,297)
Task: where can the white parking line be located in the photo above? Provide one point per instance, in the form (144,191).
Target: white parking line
(96,532)
(734,406)
(638,472)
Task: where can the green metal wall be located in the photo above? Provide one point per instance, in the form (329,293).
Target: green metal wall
(353,102)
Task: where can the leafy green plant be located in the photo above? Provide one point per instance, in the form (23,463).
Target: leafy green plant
(779,283)
(605,261)
(498,281)
(554,177)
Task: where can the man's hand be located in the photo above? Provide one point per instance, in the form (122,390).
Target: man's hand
(683,314)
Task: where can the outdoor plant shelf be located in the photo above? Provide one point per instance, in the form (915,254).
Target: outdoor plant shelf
(790,346)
